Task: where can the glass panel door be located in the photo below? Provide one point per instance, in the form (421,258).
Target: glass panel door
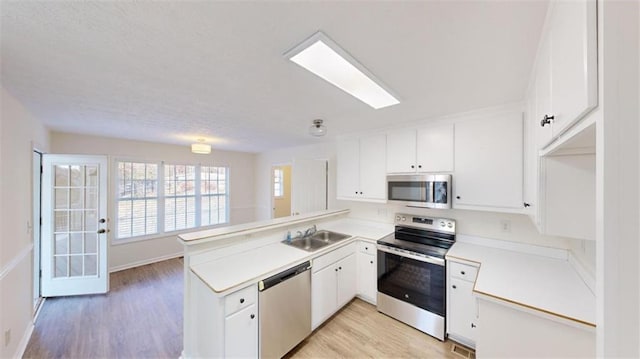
(74,231)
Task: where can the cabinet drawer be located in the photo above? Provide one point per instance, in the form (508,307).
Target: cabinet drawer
(367,247)
(240,299)
(463,271)
(333,256)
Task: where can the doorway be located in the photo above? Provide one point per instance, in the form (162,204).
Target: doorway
(281,190)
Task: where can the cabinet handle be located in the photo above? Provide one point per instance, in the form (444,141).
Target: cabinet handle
(336,269)
(356,192)
(526,205)
(454,287)
(473,325)
(462,272)
(457,197)
(340,268)
(360,192)
(366,248)
(241,300)
(371,262)
(419,166)
(547,120)
(412,166)
(253,316)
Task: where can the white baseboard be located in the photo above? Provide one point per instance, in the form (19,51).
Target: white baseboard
(145,262)
(22,346)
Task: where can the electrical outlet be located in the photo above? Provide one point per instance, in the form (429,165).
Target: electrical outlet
(7,337)
(505,226)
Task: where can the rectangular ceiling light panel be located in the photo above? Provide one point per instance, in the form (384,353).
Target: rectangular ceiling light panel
(327,60)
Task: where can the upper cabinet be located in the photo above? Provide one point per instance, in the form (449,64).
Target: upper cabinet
(489,163)
(566,69)
(428,149)
(361,169)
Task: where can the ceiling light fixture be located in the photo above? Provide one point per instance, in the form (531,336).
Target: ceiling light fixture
(317,129)
(201,148)
(322,56)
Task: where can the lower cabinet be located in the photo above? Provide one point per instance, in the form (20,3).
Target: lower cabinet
(462,309)
(241,334)
(221,326)
(333,284)
(367,271)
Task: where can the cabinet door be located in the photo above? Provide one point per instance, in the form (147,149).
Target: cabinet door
(435,149)
(543,92)
(462,311)
(346,280)
(573,61)
(348,169)
(488,155)
(241,334)
(323,295)
(401,151)
(367,277)
(373,180)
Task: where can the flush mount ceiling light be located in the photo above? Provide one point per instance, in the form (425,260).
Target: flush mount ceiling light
(317,129)
(201,148)
(322,56)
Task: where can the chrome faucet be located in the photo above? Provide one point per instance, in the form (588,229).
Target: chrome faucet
(310,231)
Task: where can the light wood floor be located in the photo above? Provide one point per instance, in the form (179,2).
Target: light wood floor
(360,331)
(141,317)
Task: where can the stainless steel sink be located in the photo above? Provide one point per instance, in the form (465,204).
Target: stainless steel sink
(328,236)
(317,240)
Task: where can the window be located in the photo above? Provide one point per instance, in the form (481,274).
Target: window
(179,197)
(213,195)
(154,198)
(278,182)
(137,199)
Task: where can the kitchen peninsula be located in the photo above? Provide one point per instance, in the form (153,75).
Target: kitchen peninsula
(223,268)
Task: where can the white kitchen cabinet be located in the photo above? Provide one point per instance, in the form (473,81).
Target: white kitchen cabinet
(361,172)
(566,69)
(241,333)
(332,286)
(221,326)
(489,163)
(367,271)
(462,311)
(428,149)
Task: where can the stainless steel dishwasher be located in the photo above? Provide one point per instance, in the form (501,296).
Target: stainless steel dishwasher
(285,310)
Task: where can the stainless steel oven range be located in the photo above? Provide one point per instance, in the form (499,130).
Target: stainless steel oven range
(411,272)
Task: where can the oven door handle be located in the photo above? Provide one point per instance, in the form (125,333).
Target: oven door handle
(432,260)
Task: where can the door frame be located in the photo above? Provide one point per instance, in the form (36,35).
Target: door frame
(36,210)
(271,194)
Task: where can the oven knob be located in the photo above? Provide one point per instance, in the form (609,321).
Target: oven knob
(403,219)
(406,296)
(449,224)
(397,218)
(441,224)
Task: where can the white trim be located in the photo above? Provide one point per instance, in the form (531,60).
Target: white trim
(145,262)
(582,271)
(556,253)
(22,346)
(16,260)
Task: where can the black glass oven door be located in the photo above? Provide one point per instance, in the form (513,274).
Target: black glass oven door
(419,283)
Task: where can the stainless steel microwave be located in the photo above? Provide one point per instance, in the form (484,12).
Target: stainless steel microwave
(426,191)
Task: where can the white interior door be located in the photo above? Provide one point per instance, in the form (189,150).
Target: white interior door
(74,225)
(308,186)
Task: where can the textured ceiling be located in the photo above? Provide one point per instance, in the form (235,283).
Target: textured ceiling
(175,71)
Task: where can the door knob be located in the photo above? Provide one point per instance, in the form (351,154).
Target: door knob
(102,220)
(102,231)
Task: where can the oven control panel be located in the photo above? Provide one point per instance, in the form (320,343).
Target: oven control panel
(439,224)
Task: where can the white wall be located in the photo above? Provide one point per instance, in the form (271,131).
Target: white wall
(618,181)
(241,186)
(20,132)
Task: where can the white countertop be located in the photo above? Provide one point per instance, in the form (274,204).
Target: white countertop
(536,282)
(241,269)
